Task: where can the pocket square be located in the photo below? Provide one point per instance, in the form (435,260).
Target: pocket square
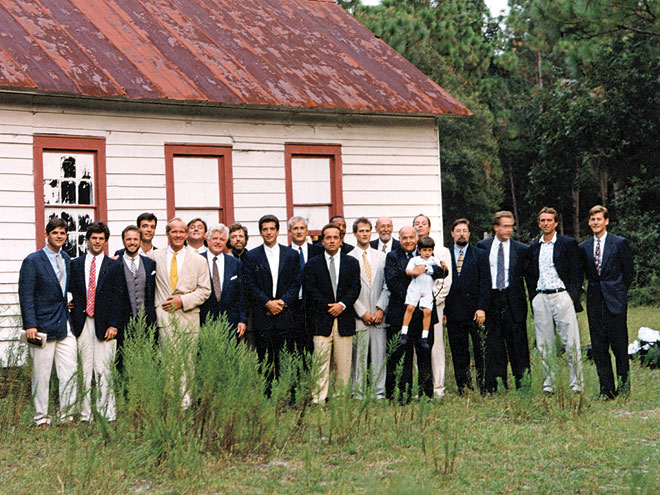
(234,277)
(154,272)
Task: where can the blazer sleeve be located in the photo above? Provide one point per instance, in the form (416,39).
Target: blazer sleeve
(118,294)
(354,284)
(395,276)
(251,268)
(202,291)
(291,293)
(384,299)
(483,269)
(441,289)
(626,260)
(27,283)
(575,270)
(312,283)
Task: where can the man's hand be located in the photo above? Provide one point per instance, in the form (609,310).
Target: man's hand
(443,265)
(275,306)
(418,270)
(479,316)
(240,329)
(110,333)
(335,309)
(367,318)
(31,333)
(172,303)
(378,316)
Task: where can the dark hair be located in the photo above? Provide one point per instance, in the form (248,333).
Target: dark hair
(547,209)
(146,216)
(97,228)
(237,226)
(359,221)
(128,229)
(459,221)
(55,223)
(330,226)
(599,209)
(269,219)
(334,217)
(206,228)
(425,242)
(422,215)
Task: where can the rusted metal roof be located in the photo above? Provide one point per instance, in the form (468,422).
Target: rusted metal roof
(283,53)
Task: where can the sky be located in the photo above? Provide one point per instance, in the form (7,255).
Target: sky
(495,6)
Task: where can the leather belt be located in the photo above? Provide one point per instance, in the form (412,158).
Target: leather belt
(551,291)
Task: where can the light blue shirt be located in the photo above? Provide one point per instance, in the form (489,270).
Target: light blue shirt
(457,252)
(52,257)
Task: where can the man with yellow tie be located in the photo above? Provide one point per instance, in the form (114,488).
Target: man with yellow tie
(182,283)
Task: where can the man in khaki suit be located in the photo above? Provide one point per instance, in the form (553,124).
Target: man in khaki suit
(183,282)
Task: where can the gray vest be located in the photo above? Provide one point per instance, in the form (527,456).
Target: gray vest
(135,285)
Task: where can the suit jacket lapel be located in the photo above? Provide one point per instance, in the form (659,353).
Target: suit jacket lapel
(44,259)
(267,273)
(607,250)
(103,272)
(556,251)
(513,260)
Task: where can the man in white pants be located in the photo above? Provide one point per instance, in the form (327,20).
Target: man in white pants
(98,293)
(42,283)
(370,307)
(554,280)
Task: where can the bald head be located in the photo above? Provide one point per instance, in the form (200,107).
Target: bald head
(384,228)
(408,238)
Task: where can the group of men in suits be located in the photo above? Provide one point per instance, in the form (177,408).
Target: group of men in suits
(340,302)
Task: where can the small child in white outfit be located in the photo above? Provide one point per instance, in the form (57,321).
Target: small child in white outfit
(420,290)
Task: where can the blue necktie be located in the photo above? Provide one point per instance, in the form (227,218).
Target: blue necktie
(302,258)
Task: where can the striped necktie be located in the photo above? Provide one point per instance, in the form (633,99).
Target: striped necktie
(91,289)
(367,266)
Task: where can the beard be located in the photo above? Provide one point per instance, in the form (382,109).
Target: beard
(461,243)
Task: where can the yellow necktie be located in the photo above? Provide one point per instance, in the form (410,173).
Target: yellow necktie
(174,275)
(367,266)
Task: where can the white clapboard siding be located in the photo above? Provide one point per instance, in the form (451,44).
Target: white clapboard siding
(390,167)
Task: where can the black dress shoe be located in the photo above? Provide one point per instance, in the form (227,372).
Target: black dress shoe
(403,339)
(424,342)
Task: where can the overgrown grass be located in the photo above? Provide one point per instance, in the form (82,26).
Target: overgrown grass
(233,438)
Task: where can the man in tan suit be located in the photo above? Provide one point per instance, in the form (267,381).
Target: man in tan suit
(370,307)
(183,282)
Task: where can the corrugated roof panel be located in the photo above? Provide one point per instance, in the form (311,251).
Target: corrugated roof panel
(290,53)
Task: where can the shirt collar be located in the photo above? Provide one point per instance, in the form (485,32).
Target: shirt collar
(274,249)
(551,241)
(602,239)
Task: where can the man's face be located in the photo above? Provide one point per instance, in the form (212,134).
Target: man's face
(177,235)
(461,234)
(56,239)
(384,228)
(547,223)
(217,242)
(269,233)
(504,230)
(96,243)
(363,235)
(237,240)
(196,231)
(131,242)
(148,229)
(298,233)
(598,223)
(332,240)
(421,225)
(408,239)
(341,223)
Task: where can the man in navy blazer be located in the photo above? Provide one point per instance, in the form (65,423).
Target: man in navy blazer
(554,282)
(465,306)
(98,295)
(138,277)
(385,242)
(272,281)
(42,286)
(332,285)
(226,283)
(506,324)
(608,265)
(397,282)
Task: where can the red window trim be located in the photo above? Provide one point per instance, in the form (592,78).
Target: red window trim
(61,142)
(333,151)
(225,177)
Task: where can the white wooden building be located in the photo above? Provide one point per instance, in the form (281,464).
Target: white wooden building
(302,111)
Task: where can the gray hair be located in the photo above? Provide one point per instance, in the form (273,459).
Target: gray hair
(297,218)
(218,227)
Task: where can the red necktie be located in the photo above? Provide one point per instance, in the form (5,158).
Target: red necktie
(91,288)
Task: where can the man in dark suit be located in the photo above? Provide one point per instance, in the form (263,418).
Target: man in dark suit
(226,283)
(301,337)
(465,306)
(385,242)
(332,284)
(98,295)
(272,280)
(340,222)
(554,282)
(42,287)
(506,325)
(139,280)
(146,223)
(608,265)
(397,282)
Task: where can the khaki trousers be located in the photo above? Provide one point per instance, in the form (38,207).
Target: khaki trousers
(341,348)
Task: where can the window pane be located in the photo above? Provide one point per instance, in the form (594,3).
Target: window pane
(317,216)
(68,178)
(196,181)
(310,180)
(77,220)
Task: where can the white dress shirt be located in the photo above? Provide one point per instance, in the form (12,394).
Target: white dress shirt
(273,257)
(492,258)
(388,245)
(127,260)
